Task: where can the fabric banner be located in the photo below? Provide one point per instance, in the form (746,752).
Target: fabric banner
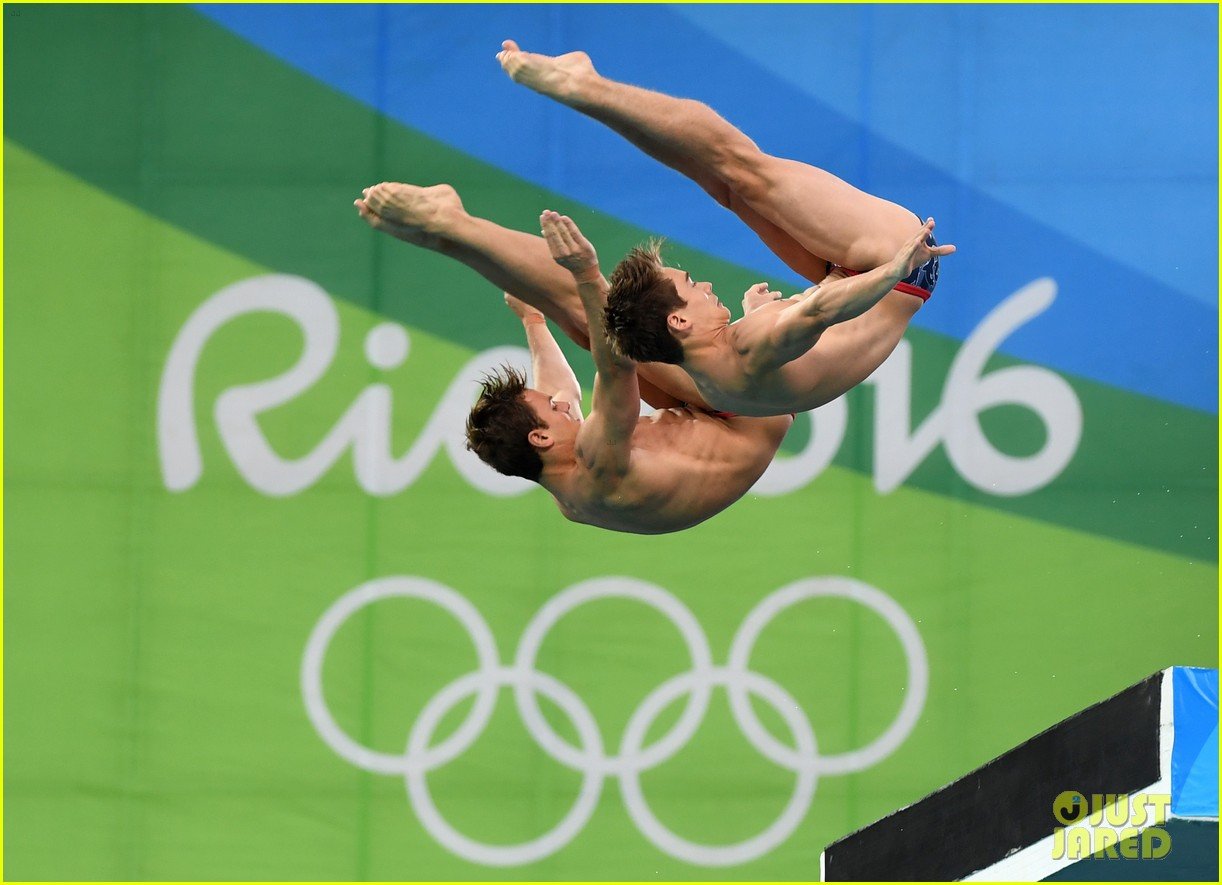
(265,617)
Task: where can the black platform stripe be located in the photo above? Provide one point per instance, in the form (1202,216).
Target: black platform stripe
(1006,804)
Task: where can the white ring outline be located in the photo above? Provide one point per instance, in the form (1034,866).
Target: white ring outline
(778,831)
(914,693)
(320,639)
(612,587)
(523,852)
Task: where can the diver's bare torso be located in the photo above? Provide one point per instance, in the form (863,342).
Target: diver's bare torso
(686,466)
(731,380)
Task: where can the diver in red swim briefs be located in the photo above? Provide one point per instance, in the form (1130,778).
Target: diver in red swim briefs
(875,264)
(785,355)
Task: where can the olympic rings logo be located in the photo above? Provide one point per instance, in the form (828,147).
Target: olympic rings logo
(634,756)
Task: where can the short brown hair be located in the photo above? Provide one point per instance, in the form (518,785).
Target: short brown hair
(499,424)
(640,300)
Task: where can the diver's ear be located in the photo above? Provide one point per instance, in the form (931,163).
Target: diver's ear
(539,438)
(677,322)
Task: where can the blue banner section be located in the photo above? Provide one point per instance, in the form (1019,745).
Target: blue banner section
(1092,161)
(1194,756)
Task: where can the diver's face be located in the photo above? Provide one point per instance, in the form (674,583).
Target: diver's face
(560,421)
(701,306)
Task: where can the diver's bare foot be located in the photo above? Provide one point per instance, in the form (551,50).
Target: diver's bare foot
(419,215)
(562,77)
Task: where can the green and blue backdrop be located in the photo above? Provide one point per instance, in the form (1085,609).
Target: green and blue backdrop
(266,619)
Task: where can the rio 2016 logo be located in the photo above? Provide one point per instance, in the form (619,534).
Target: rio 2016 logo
(365,426)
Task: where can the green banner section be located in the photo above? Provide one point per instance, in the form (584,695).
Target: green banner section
(154,117)
(156,640)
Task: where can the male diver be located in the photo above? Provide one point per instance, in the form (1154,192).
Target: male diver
(873,262)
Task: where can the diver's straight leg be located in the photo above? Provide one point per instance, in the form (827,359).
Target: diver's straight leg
(512,261)
(824,215)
